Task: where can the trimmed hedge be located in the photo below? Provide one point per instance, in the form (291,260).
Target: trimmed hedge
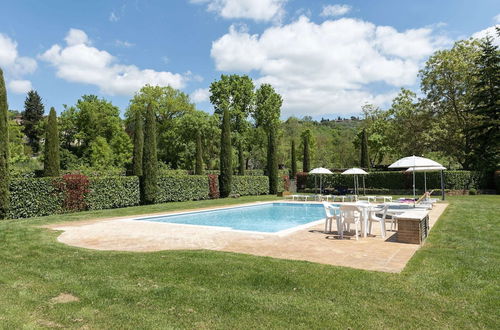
(34,197)
(113,192)
(453,180)
(250,185)
(182,188)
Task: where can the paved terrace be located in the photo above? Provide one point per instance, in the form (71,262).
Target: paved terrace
(310,244)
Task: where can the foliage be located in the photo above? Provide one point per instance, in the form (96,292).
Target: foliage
(485,134)
(250,185)
(294,160)
(198,170)
(236,93)
(113,192)
(226,166)
(138,144)
(185,188)
(364,159)
(4,150)
(32,197)
(306,150)
(101,154)
(267,115)
(32,119)
(18,151)
(74,188)
(213,186)
(149,184)
(51,161)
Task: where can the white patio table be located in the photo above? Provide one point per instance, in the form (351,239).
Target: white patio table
(366,209)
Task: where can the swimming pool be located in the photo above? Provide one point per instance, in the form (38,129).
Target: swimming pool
(266,217)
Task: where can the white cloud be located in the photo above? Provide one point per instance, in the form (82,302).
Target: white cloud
(335,10)
(329,67)
(79,62)
(20,86)
(496,19)
(10,59)
(113,17)
(124,44)
(200,95)
(258,10)
(491,31)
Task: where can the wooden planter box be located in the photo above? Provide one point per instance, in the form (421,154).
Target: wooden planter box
(413,227)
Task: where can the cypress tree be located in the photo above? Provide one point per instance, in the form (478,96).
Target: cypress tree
(4,150)
(149,184)
(272,161)
(241,159)
(198,170)
(294,160)
(226,162)
(364,161)
(32,115)
(138,144)
(306,162)
(51,162)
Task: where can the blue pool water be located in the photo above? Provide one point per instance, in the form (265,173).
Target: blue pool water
(268,218)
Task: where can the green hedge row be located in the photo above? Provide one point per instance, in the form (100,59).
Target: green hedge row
(184,188)
(113,192)
(250,185)
(455,180)
(33,197)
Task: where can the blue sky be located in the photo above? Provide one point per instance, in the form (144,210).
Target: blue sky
(326,58)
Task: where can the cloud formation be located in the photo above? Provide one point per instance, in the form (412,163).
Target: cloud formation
(15,66)
(491,31)
(79,62)
(329,67)
(200,95)
(335,10)
(258,10)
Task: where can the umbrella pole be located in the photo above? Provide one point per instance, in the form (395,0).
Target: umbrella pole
(364,187)
(442,186)
(425,181)
(414,194)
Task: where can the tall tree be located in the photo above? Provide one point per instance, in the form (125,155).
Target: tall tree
(138,144)
(267,115)
(198,170)
(32,116)
(306,147)
(448,79)
(364,159)
(4,150)
(51,162)
(485,135)
(294,160)
(238,93)
(149,183)
(226,159)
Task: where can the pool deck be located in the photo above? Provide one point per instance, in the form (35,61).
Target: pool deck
(309,244)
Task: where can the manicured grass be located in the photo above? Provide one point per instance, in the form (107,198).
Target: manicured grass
(452,282)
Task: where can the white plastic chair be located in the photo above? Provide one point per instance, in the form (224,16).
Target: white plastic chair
(380,219)
(331,214)
(349,214)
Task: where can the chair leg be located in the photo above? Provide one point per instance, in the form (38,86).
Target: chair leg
(382,228)
(356,230)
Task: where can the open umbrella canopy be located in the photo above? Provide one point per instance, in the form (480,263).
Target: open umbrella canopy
(426,169)
(414,161)
(354,170)
(320,170)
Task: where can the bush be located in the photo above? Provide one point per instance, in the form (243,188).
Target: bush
(74,188)
(250,185)
(113,192)
(472,191)
(34,197)
(182,188)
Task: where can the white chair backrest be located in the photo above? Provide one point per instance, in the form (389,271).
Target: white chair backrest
(350,212)
(326,206)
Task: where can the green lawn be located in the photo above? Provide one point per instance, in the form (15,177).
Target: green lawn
(452,282)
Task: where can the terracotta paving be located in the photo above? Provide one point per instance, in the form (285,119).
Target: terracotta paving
(310,244)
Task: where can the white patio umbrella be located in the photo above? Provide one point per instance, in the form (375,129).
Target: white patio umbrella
(429,169)
(355,171)
(414,162)
(320,171)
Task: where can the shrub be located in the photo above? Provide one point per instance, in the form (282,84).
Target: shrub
(113,192)
(472,191)
(213,186)
(34,197)
(74,188)
(185,188)
(250,185)
(497,181)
